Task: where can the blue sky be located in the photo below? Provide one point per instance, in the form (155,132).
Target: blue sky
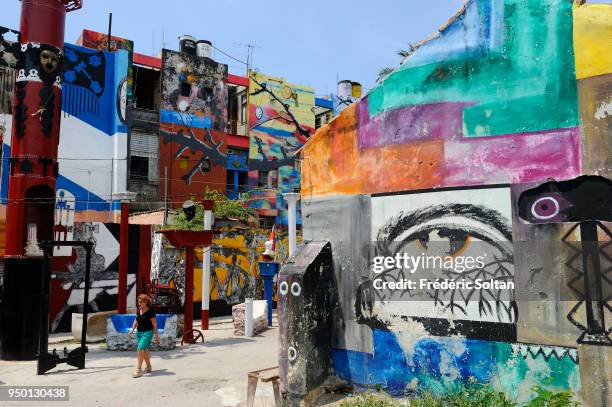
(308,42)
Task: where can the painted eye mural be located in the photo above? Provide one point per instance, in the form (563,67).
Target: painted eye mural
(581,199)
(442,236)
(587,202)
(122,91)
(545,208)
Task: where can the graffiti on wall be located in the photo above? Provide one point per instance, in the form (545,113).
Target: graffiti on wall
(458,224)
(193,118)
(442,365)
(456,107)
(586,202)
(90,122)
(281,120)
(67,288)
(234,269)
(99,41)
(194,86)
(454,115)
(9,50)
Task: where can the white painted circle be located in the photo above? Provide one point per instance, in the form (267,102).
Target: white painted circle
(547,198)
(283,288)
(291,353)
(183,105)
(296,289)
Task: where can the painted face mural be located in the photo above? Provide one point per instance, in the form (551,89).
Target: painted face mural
(461,236)
(49,61)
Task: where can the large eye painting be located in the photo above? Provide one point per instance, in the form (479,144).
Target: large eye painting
(453,232)
(122,100)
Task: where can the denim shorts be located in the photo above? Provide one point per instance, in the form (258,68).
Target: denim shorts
(144,339)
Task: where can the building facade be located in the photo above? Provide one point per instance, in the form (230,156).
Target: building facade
(494,138)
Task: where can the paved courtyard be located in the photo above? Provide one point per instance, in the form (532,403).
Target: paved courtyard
(213,373)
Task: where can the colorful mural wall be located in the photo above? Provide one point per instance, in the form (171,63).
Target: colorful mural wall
(281,119)
(67,287)
(494,136)
(234,269)
(193,117)
(93,135)
(99,41)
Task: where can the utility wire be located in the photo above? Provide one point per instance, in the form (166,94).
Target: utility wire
(228,55)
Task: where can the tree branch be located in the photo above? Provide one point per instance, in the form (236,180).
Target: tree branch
(285,106)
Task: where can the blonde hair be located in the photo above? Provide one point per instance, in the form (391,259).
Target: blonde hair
(146,299)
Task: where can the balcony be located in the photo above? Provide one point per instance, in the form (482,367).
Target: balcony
(236,127)
(146,190)
(145,115)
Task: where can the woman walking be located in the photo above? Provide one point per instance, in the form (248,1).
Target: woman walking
(146,324)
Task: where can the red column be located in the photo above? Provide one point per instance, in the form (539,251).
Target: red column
(36,122)
(33,170)
(188,323)
(144,260)
(123,258)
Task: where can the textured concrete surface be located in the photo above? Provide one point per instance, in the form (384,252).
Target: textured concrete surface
(213,373)
(260,317)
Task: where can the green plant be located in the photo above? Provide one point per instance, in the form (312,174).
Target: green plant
(474,395)
(547,398)
(370,400)
(227,208)
(223,208)
(197,223)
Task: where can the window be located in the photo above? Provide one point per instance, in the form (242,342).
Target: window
(237,151)
(139,167)
(146,88)
(207,94)
(185,89)
(243,108)
(268,179)
(267,222)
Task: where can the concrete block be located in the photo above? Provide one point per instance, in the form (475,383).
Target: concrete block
(260,317)
(96,325)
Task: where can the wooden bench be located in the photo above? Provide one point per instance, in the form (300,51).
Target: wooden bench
(270,374)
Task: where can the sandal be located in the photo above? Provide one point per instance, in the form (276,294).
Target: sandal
(137,373)
(147,370)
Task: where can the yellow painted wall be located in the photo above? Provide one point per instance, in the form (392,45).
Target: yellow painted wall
(593,39)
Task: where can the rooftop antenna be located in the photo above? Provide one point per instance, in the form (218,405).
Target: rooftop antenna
(110,27)
(163,43)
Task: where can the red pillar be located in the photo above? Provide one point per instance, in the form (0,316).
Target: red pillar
(35,132)
(188,323)
(123,259)
(33,170)
(144,260)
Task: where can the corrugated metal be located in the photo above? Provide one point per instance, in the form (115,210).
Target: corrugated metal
(144,144)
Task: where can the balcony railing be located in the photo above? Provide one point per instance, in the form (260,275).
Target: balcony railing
(236,127)
(146,190)
(145,115)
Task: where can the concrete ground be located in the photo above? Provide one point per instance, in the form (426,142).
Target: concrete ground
(213,373)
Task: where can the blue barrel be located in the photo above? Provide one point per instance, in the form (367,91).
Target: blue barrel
(267,271)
